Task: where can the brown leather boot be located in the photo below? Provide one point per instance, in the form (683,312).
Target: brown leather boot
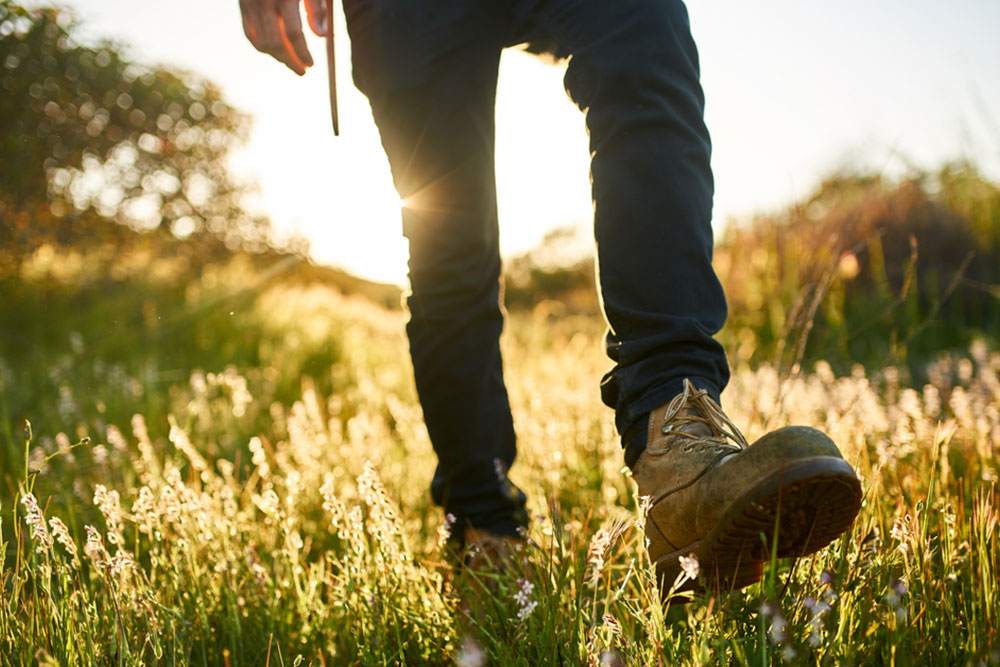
(483,558)
(729,502)
(486,552)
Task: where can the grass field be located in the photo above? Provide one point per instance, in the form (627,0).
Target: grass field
(234,471)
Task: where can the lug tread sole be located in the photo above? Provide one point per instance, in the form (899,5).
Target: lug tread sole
(795,512)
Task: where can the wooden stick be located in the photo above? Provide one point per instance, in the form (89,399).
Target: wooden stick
(331,65)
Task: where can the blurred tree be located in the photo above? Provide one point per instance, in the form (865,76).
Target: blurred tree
(867,270)
(89,137)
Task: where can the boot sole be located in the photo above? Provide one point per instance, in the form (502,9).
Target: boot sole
(794,512)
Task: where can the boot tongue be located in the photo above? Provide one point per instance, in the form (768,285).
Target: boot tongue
(691,422)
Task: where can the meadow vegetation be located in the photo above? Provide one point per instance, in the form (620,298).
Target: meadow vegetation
(236,473)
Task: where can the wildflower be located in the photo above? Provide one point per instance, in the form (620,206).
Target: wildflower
(817,609)
(268,502)
(328,493)
(33,517)
(61,534)
(690,566)
(121,564)
(293,487)
(94,548)
(776,631)
(523,595)
(259,458)
(109,503)
(181,441)
(115,438)
(523,599)
(383,523)
(525,611)
(144,443)
(170,502)
(143,510)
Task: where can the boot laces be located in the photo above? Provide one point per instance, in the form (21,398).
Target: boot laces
(695,405)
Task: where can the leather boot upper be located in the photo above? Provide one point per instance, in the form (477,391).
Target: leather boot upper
(697,463)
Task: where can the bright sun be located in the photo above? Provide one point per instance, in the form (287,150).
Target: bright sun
(338,192)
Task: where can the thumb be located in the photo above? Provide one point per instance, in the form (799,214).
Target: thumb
(316,15)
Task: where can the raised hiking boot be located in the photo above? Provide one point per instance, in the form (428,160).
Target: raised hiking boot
(729,502)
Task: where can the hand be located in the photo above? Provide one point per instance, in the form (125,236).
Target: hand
(274,27)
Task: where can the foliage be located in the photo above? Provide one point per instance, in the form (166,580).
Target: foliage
(90,137)
(554,274)
(864,270)
(867,271)
(238,522)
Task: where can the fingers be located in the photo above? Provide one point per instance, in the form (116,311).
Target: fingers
(294,42)
(248,12)
(316,14)
(274,27)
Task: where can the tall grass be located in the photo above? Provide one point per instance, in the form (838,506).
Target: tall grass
(259,497)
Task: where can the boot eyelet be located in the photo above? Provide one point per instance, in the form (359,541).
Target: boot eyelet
(687,449)
(667,429)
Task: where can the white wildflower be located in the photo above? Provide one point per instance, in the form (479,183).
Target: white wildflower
(62,536)
(523,599)
(690,566)
(526,610)
(259,458)
(94,548)
(181,441)
(33,517)
(121,564)
(109,503)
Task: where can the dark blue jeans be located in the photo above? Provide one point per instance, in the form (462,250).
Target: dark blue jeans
(429,69)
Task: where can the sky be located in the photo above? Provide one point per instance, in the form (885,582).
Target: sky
(795,90)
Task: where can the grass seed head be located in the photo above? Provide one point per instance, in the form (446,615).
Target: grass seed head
(36,522)
(62,536)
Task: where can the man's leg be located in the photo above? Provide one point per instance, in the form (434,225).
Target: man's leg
(429,70)
(634,71)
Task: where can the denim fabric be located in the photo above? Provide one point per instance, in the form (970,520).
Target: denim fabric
(429,70)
